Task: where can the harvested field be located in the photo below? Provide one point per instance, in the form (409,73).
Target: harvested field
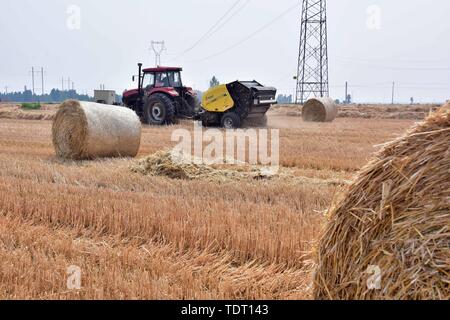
(369,111)
(14,111)
(364,111)
(150,236)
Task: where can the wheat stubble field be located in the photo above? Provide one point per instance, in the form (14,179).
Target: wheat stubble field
(146,237)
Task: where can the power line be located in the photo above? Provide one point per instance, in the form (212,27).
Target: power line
(371,65)
(210,31)
(424,88)
(426,84)
(415,68)
(228,20)
(371,60)
(289,10)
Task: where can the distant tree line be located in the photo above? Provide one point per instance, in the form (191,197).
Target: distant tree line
(55,95)
(284,99)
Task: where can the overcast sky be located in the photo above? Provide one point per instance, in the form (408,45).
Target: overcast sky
(371,44)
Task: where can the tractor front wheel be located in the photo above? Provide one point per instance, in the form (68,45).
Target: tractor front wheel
(231,120)
(159,110)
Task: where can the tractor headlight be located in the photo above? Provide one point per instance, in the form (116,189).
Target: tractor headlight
(256,101)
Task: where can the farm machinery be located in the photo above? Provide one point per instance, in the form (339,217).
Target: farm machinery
(161,99)
(228,105)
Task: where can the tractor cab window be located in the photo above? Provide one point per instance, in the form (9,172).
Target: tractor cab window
(162,80)
(175,79)
(149,80)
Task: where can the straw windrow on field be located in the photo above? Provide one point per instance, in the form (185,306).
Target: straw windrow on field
(138,236)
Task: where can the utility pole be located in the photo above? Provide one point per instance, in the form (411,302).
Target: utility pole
(158,47)
(312,75)
(68,83)
(42,78)
(346,92)
(6,90)
(32,77)
(62,84)
(393,92)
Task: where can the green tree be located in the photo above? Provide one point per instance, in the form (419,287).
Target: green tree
(214,82)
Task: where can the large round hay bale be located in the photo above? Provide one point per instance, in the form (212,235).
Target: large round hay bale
(86,130)
(319,110)
(389,238)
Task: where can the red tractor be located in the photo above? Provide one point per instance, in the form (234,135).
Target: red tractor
(161,97)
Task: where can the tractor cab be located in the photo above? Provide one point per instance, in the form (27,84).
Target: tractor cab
(162,85)
(161,77)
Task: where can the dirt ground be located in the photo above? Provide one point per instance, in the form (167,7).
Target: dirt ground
(153,237)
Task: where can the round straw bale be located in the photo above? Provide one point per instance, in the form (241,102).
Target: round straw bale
(389,237)
(86,130)
(319,110)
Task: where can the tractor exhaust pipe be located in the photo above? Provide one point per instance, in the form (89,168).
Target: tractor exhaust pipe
(140,78)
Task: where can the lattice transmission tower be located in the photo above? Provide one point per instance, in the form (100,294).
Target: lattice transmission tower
(312,76)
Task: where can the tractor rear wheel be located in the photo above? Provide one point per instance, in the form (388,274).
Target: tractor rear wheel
(159,110)
(231,120)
